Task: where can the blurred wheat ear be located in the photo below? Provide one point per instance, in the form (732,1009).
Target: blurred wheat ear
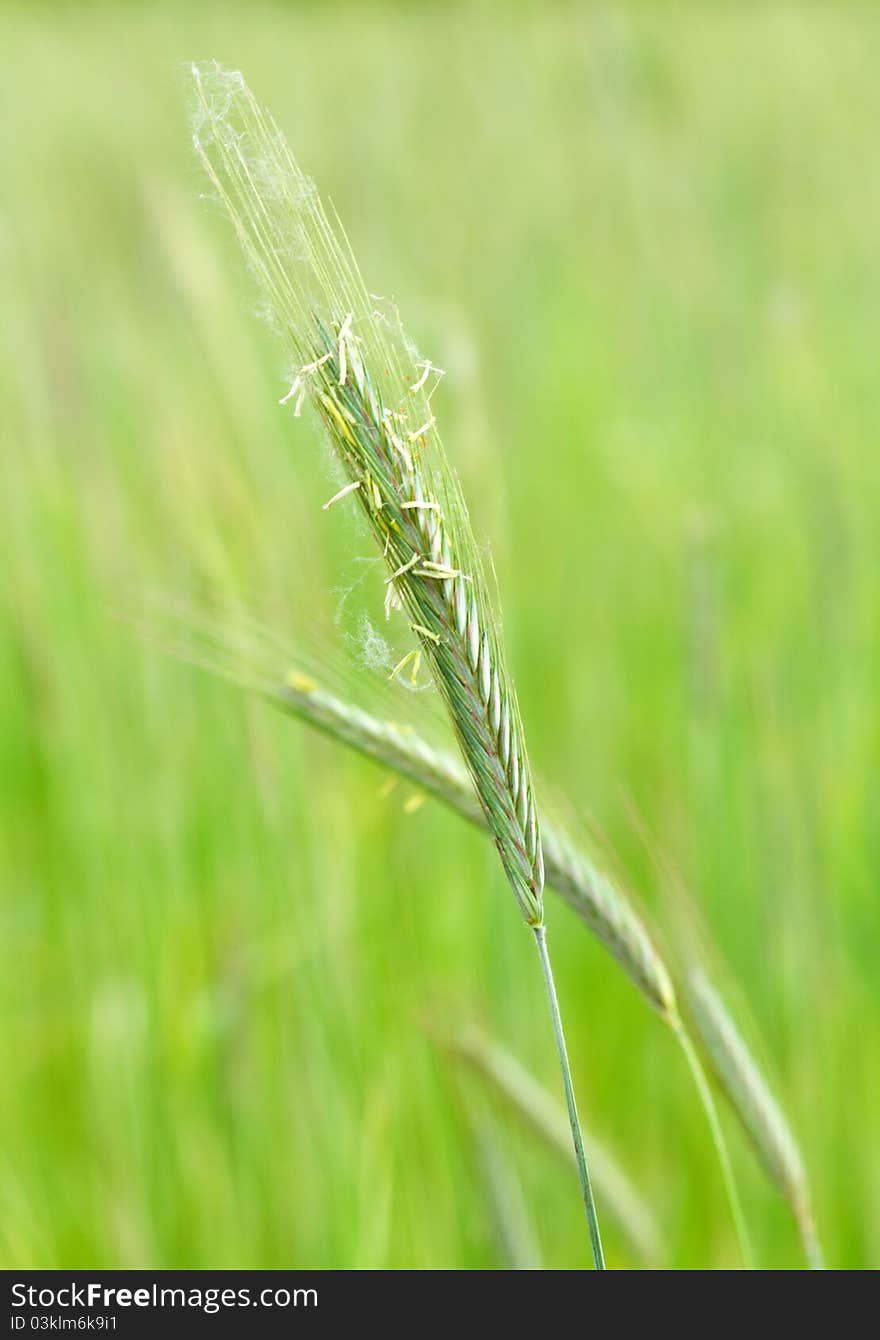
(354,365)
(240,650)
(503,1076)
(758,1110)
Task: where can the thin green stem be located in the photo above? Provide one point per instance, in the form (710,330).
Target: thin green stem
(720,1143)
(577,1140)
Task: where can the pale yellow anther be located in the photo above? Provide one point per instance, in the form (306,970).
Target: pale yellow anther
(300,683)
(343,493)
(417,663)
(426,632)
(392,600)
(419,432)
(343,335)
(295,390)
(414,655)
(405,567)
(313,367)
(441,571)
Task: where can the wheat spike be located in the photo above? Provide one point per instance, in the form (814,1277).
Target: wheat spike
(754,1103)
(353,363)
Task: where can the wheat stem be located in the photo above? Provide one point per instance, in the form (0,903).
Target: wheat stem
(559,1037)
(711,1111)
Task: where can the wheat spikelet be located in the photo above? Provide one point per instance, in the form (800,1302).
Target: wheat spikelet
(354,365)
(754,1103)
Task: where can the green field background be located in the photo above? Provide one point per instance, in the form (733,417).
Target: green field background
(644,242)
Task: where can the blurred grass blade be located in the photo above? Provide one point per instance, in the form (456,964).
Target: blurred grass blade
(511,1227)
(503,1076)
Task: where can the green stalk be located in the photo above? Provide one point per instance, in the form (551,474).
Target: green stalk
(708,1102)
(571,1104)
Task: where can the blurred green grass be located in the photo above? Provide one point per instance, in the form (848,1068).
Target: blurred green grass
(642,241)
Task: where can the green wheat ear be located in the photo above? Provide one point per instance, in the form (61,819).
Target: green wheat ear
(354,365)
